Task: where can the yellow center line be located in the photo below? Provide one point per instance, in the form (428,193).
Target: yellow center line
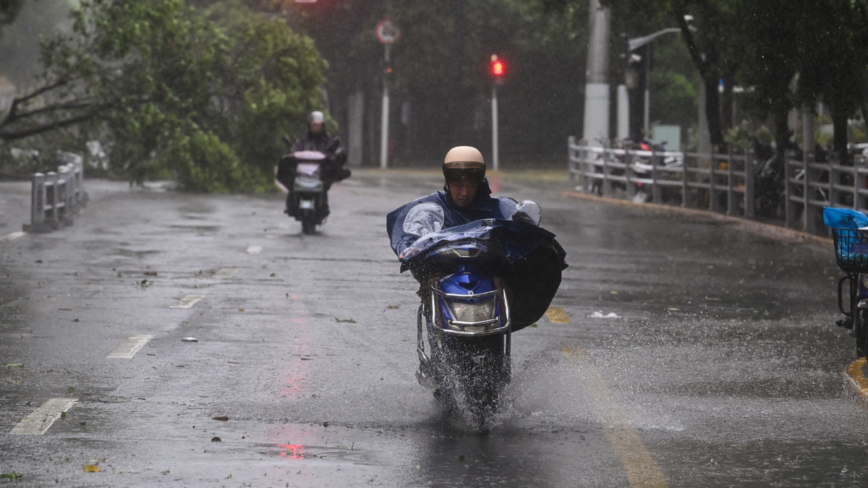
(642,469)
(557,316)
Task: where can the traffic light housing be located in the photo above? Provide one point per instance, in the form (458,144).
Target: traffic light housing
(497,69)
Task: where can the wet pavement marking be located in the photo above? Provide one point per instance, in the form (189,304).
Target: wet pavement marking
(41,419)
(254,249)
(129,347)
(642,469)
(225,272)
(186,302)
(557,316)
(855,381)
(12,236)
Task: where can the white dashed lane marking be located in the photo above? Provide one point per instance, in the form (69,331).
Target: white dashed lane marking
(41,419)
(187,302)
(129,347)
(12,236)
(225,272)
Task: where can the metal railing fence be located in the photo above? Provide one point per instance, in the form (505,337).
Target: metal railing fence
(720,183)
(723,183)
(57,196)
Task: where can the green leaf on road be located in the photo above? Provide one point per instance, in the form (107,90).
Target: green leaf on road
(10,476)
(15,365)
(348,321)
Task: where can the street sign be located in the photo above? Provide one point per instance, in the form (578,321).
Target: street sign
(387,32)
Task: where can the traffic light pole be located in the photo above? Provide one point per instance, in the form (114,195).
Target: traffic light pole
(494,142)
(384,126)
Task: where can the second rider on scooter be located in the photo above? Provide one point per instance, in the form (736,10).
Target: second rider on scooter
(316,138)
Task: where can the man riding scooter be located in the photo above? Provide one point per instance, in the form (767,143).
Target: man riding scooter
(466,197)
(316,138)
(466,202)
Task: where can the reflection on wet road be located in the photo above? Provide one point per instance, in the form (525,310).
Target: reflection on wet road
(208,342)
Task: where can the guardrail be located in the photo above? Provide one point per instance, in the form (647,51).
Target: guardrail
(717,182)
(810,186)
(57,196)
(722,183)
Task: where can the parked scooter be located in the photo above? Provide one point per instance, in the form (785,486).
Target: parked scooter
(300,173)
(643,166)
(480,282)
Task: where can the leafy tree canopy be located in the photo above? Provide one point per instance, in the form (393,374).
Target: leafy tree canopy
(203,95)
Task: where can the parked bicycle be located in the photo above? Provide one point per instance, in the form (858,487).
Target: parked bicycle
(850,236)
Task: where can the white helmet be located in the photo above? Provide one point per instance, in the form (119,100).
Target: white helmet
(464,162)
(316,117)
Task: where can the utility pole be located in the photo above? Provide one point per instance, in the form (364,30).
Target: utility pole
(498,70)
(384,122)
(596,84)
(387,33)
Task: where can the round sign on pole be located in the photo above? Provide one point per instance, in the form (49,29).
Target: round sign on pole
(387,32)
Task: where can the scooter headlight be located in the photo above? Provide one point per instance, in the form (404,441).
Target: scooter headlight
(472,312)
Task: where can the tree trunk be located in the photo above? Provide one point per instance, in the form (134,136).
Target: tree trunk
(727,115)
(712,110)
(839,144)
(782,138)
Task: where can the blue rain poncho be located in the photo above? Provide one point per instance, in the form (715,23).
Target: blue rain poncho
(502,232)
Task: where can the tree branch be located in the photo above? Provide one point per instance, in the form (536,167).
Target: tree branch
(692,47)
(11,136)
(78,105)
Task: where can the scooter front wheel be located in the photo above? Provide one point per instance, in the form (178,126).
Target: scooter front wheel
(308,227)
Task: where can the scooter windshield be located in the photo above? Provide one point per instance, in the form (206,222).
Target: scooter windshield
(310,170)
(526,256)
(492,238)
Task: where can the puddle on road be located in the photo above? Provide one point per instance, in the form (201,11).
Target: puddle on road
(134,254)
(197,228)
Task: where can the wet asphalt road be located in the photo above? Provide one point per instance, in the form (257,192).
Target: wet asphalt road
(721,365)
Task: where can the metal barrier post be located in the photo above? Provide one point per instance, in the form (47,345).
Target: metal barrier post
(570,161)
(51,201)
(74,189)
(808,213)
(629,156)
(730,186)
(749,200)
(789,211)
(65,213)
(858,186)
(684,188)
(607,184)
(712,192)
(655,188)
(37,223)
(81,197)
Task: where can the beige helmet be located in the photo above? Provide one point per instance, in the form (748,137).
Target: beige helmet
(464,163)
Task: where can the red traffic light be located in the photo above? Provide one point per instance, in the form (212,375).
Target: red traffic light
(498,69)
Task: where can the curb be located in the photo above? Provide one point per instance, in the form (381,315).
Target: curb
(761,228)
(855,382)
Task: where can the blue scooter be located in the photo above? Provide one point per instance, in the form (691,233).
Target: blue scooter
(480,282)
